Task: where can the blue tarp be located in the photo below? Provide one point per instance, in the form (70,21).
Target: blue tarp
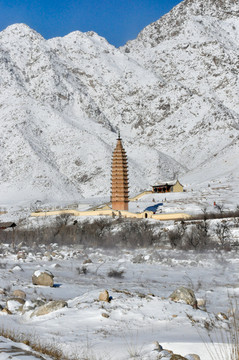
(153,208)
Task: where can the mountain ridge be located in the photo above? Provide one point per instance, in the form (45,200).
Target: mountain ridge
(62,101)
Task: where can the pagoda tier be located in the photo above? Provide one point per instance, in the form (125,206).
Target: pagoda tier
(119,178)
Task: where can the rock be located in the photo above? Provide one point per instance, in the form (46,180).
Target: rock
(19,294)
(105,315)
(29,305)
(47,254)
(15,304)
(43,278)
(21,255)
(165,354)
(138,259)
(184,295)
(222,316)
(56,266)
(192,357)
(104,296)
(6,311)
(87,261)
(177,357)
(16,268)
(2,292)
(49,307)
(201,302)
(157,346)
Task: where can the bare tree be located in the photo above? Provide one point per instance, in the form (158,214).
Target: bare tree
(223,232)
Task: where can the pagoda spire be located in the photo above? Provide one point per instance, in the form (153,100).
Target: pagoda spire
(119,178)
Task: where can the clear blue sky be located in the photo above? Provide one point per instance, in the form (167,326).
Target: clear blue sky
(116,20)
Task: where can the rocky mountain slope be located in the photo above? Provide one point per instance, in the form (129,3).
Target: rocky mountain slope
(173,93)
(196,45)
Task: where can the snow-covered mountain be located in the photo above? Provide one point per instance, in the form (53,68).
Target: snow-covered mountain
(173,93)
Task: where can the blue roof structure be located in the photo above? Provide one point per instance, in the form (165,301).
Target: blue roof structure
(153,208)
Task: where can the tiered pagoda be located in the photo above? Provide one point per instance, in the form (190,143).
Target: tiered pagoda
(119,178)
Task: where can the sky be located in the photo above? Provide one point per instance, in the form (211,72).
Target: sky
(116,20)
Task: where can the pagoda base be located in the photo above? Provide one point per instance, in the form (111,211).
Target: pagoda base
(120,205)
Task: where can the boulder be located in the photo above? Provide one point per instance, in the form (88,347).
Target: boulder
(87,261)
(177,357)
(49,307)
(157,346)
(104,296)
(19,294)
(43,278)
(165,354)
(201,303)
(2,292)
(47,254)
(222,316)
(105,315)
(15,304)
(192,357)
(138,259)
(6,311)
(21,255)
(184,295)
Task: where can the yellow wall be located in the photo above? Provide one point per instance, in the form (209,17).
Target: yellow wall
(177,187)
(140,195)
(111,213)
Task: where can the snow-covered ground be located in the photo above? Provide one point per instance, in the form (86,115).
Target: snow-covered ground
(140,311)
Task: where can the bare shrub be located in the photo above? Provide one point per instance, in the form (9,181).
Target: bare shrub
(137,233)
(82,270)
(228,338)
(222,232)
(175,239)
(116,273)
(196,238)
(176,235)
(191,236)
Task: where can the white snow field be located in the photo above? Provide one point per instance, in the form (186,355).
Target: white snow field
(140,311)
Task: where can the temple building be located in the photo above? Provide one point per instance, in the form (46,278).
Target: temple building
(167,186)
(119,178)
